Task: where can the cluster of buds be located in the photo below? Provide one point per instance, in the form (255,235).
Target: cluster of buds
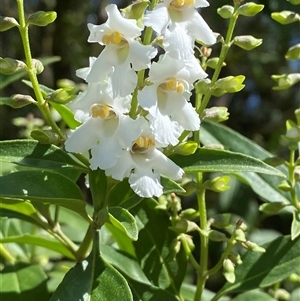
(126,121)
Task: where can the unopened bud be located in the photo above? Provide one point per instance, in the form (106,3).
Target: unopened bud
(285,81)
(17,101)
(281,294)
(247,42)
(186,148)
(174,248)
(42,18)
(184,226)
(61,95)
(228,270)
(189,240)
(226,11)
(189,187)
(135,11)
(285,17)
(292,131)
(7,23)
(272,208)
(251,246)
(206,51)
(216,114)
(213,62)
(285,186)
(230,84)
(239,235)
(294,278)
(241,225)
(235,257)
(216,236)
(45,137)
(189,214)
(250,9)
(297,114)
(203,86)
(218,184)
(10,66)
(38,66)
(293,53)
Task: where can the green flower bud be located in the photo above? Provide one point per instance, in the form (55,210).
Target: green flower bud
(190,187)
(272,208)
(38,66)
(285,81)
(235,257)
(226,11)
(184,226)
(189,240)
(42,18)
(189,214)
(230,84)
(206,51)
(241,225)
(174,248)
(221,221)
(285,17)
(213,62)
(250,9)
(297,114)
(186,148)
(281,294)
(293,53)
(239,235)
(61,95)
(218,184)
(228,270)
(292,132)
(294,278)
(285,186)
(203,86)
(10,66)
(45,137)
(216,114)
(295,2)
(251,246)
(247,42)
(136,11)
(7,23)
(216,236)
(17,101)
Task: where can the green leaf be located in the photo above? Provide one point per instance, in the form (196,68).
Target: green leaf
(155,248)
(170,186)
(295,231)
(280,260)
(210,160)
(45,187)
(264,185)
(124,221)
(31,153)
(5,80)
(256,295)
(94,278)
(125,263)
(39,241)
(23,282)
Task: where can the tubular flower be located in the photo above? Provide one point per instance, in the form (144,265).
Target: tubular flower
(105,128)
(181,24)
(122,55)
(167,99)
(143,164)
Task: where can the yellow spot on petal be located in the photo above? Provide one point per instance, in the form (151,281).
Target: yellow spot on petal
(174,85)
(102,111)
(143,143)
(112,38)
(182,3)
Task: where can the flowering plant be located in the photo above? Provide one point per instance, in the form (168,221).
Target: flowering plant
(151,150)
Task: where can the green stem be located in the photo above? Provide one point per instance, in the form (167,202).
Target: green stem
(291,168)
(82,252)
(189,253)
(41,103)
(202,272)
(6,255)
(224,50)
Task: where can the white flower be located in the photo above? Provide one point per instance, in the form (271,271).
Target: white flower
(144,164)
(122,56)
(181,24)
(105,128)
(167,99)
(84,72)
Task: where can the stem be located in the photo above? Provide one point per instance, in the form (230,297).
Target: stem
(202,273)
(31,71)
(6,255)
(189,253)
(224,50)
(291,167)
(86,243)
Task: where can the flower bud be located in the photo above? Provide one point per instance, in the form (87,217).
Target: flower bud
(235,257)
(189,240)
(295,2)
(186,148)
(213,62)
(216,114)
(174,248)
(281,294)
(218,184)
(285,17)
(38,66)
(247,42)
(251,246)
(10,66)
(228,270)
(226,11)
(42,18)
(294,278)
(272,208)
(292,131)
(7,23)
(206,51)
(230,84)
(250,9)
(203,86)
(216,236)
(297,114)
(45,137)
(184,226)
(293,53)
(17,101)
(285,186)
(135,11)
(285,81)
(241,225)
(61,95)
(239,235)
(189,214)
